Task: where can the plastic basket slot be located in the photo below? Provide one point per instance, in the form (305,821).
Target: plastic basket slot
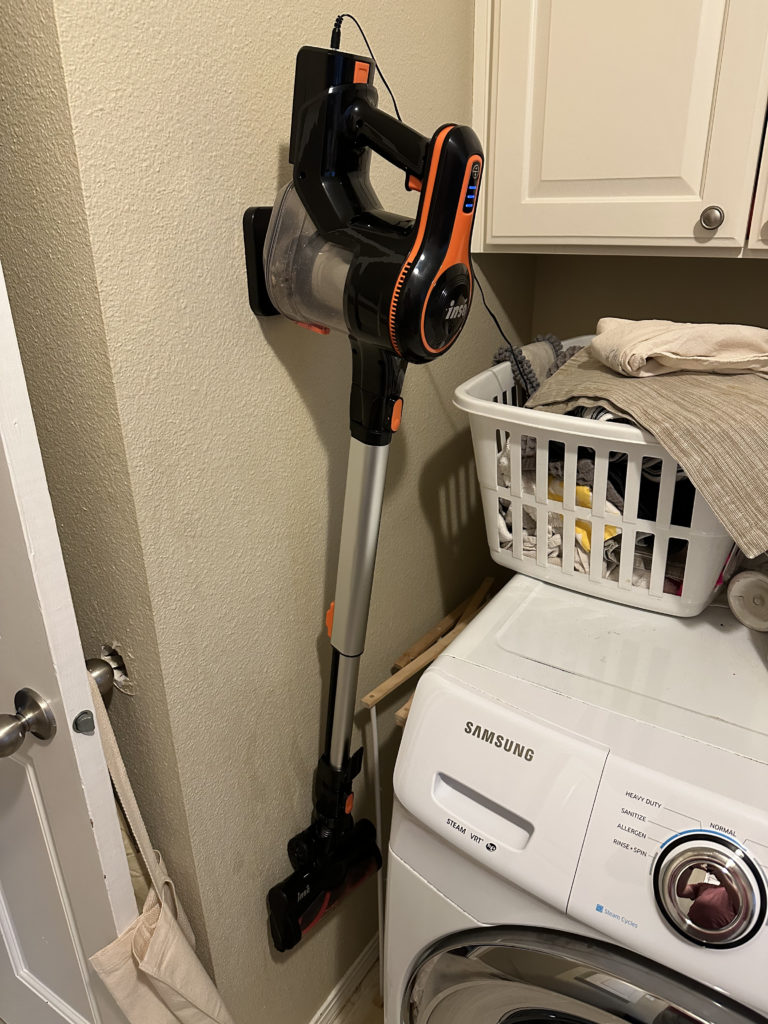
(684,499)
(600,484)
(627,558)
(666,493)
(491,512)
(648,502)
(542,535)
(632,490)
(514,442)
(502,457)
(526,514)
(658,564)
(555,523)
(569,477)
(596,548)
(517,529)
(542,473)
(617,470)
(681,559)
(569,541)
(520,446)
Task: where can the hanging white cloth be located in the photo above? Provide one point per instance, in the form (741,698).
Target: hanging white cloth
(152,970)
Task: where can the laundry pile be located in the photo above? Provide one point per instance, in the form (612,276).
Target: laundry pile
(700,389)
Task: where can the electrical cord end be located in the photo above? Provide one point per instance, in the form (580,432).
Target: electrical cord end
(336,33)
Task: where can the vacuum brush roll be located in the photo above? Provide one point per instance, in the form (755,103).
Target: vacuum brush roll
(302,899)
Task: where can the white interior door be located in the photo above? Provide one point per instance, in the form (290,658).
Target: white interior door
(613,122)
(65,889)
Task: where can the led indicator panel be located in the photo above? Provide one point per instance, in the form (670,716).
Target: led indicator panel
(471,193)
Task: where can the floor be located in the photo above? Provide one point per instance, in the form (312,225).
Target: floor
(364,1006)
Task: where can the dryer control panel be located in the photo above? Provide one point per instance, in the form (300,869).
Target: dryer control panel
(678,871)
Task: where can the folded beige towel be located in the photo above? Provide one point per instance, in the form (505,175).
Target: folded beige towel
(645,348)
(715,426)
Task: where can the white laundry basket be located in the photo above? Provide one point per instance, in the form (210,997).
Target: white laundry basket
(696,543)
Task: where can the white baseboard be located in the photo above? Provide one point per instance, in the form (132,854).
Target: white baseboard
(332,1009)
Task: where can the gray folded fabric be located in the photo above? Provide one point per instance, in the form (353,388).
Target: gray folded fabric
(716,426)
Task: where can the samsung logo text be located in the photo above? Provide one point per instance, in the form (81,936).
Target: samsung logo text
(497,740)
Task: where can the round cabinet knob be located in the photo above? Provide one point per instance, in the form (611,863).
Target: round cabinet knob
(709,889)
(712,217)
(33,714)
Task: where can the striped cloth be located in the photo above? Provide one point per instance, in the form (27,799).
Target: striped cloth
(716,426)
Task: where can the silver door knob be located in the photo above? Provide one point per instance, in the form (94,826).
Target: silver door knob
(33,714)
(712,217)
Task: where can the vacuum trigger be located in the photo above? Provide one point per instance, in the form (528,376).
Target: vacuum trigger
(412,183)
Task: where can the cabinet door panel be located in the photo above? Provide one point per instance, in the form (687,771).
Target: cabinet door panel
(758,234)
(613,122)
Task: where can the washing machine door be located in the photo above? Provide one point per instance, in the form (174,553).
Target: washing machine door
(530,975)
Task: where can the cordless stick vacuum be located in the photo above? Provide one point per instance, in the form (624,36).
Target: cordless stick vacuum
(327,256)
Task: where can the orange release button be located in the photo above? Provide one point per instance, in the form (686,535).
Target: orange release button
(397,415)
(329,619)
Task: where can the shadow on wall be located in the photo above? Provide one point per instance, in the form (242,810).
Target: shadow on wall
(450,498)
(573,292)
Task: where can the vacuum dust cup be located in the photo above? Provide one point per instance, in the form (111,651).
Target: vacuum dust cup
(306,275)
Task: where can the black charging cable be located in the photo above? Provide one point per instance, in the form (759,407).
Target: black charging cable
(490,312)
(513,355)
(336,42)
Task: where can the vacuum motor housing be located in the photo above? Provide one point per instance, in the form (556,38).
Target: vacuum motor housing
(334,258)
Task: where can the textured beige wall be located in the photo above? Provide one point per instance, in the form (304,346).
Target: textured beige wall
(229,438)
(573,292)
(46,256)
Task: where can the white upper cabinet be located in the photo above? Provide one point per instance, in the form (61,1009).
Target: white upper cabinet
(620,123)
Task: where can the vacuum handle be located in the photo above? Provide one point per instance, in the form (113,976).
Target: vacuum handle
(374,399)
(395,141)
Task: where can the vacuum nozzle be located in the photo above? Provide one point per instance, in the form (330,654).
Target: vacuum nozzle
(302,899)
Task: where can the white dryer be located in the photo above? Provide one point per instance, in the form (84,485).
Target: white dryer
(580,831)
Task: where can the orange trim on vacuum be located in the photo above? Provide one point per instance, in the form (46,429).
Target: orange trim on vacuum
(458,248)
(397,415)
(329,618)
(313,327)
(425,205)
(362,72)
